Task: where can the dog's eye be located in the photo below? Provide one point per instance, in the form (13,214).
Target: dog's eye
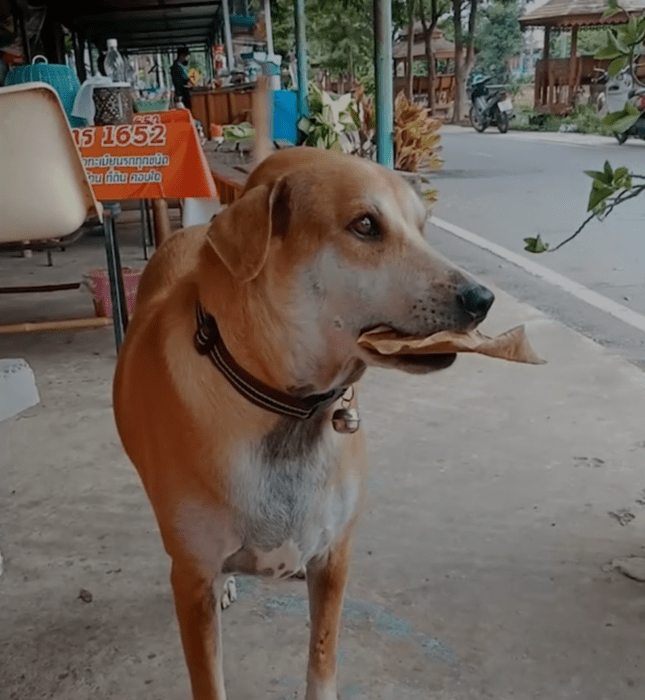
(365,227)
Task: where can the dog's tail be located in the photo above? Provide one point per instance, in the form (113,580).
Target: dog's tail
(261,119)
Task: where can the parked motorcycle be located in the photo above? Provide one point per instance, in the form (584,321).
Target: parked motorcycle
(623,88)
(490,105)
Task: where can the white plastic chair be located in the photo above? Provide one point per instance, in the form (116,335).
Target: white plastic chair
(45,194)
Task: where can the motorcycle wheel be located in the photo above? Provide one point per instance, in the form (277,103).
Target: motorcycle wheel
(478,122)
(621,137)
(502,122)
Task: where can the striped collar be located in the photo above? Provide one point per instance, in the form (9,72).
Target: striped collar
(208,341)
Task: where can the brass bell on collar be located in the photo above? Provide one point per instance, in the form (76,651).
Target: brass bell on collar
(346,420)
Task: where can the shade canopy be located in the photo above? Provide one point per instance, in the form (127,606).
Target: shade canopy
(567,14)
(140,25)
(441,47)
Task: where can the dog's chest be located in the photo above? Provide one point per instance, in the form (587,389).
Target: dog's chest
(289,502)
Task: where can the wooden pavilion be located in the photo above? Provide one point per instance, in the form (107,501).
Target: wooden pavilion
(559,80)
(443,51)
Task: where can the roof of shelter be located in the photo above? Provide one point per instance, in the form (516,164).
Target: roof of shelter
(577,13)
(441,47)
(141,24)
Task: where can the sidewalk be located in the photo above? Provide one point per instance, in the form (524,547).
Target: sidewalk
(546,136)
(499,495)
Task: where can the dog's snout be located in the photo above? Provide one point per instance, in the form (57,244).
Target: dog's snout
(476,300)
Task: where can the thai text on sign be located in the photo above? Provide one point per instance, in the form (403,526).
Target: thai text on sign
(157,156)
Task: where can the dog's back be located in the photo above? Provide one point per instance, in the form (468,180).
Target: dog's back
(176,258)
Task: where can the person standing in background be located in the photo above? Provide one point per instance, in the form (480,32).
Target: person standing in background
(179,74)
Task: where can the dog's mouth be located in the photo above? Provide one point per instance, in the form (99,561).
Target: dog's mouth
(410,363)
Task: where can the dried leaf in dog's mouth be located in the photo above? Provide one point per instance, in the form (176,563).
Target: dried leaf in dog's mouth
(512,345)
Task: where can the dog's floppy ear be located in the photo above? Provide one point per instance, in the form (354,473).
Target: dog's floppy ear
(241,233)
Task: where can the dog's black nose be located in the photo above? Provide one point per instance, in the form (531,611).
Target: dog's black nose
(476,300)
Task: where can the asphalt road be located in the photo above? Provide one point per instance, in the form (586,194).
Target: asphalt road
(507,187)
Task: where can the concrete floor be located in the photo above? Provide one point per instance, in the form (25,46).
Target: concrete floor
(480,569)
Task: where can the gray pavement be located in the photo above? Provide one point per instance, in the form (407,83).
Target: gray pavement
(499,495)
(506,187)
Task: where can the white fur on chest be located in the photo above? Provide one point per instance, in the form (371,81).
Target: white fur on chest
(290,509)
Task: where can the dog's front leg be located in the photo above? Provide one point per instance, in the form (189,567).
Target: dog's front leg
(198,612)
(326,580)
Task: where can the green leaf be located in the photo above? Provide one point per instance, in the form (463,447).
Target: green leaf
(607,53)
(621,121)
(611,118)
(598,195)
(609,173)
(632,32)
(617,65)
(535,245)
(613,48)
(595,174)
(611,9)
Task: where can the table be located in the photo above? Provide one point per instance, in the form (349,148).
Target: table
(157,157)
(230,170)
(223,106)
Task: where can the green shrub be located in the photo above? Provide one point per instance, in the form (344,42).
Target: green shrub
(587,121)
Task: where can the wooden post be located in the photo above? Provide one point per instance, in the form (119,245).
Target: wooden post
(66,325)
(262,119)
(82,70)
(573,59)
(19,18)
(161,221)
(546,94)
(53,42)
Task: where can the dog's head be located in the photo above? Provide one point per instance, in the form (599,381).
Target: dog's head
(341,240)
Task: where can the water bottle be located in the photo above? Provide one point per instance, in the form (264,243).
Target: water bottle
(114,64)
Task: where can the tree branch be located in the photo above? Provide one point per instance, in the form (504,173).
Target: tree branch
(612,204)
(566,240)
(622,9)
(623,197)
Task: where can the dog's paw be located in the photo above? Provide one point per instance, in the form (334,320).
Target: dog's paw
(229,593)
(301,574)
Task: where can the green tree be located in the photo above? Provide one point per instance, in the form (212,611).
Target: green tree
(464,19)
(431,12)
(341,37)
(340,33)
(591,40)
(499,37)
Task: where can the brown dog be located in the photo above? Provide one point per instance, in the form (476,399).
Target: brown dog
(242,346)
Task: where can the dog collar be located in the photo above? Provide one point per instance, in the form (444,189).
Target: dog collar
(208,341)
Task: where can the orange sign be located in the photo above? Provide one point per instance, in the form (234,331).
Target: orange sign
(159,156)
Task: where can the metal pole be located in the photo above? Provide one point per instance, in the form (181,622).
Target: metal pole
(268,26)
(274,80)
(301,55)
(384,82)
(228,39)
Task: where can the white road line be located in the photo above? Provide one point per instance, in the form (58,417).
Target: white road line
(576,289)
